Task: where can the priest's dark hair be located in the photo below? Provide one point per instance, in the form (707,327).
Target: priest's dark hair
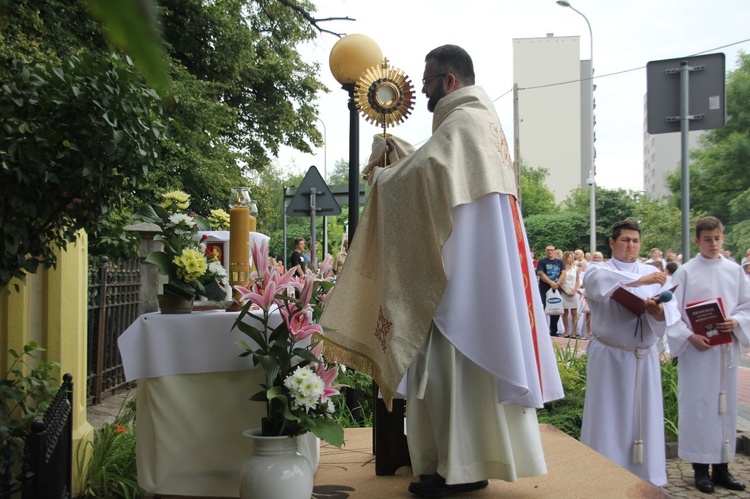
(707,223)
(627,224)
(453,59)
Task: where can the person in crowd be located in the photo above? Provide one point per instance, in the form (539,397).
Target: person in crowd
(338,262)
(584,313)
(707,375)
(746,268)
(472,380)
(671,269)
(657,264)
(670,256)
(550,271)
(559,254)
(297,260)
(623,414)
(728,255)
(569,291)
(745,258)
(588,257)
(597,257)
(580,261)
(655,255)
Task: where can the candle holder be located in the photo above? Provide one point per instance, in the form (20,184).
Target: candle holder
(239,243)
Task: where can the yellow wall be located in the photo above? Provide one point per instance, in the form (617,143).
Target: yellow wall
(51,309)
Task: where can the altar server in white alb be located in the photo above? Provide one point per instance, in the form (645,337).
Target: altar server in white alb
(412,295)
(708,374)
(623,414)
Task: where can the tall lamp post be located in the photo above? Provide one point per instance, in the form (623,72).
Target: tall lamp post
(349,58)
(592,170)
(325,177)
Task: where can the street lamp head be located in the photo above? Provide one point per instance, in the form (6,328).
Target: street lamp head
(351,56)
(563,3)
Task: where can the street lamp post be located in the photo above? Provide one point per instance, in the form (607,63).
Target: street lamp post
(349,58)
(325,177)
(592,170)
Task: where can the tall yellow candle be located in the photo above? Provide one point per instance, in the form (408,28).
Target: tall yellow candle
(239,246)
(253,224)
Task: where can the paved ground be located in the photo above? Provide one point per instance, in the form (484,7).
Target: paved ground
(680,473)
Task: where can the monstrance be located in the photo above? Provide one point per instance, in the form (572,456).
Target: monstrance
(384,95)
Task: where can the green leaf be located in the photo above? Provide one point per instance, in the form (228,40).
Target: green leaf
(328,430)
(162,260)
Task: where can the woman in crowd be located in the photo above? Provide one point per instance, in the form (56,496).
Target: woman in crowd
(569,292)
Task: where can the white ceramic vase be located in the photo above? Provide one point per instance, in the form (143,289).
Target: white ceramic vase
(275,470)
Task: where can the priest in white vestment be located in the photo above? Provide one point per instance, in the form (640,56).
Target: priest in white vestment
(708,374)
(439,281)
(623,414)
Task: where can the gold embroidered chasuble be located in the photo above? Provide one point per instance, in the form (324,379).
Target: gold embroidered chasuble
(382,306)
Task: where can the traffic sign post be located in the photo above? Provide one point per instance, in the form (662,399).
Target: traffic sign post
(676,88)
(314,199)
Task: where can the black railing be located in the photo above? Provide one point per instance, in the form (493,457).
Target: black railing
(46,470)
(114,288)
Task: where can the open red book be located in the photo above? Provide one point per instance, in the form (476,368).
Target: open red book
(631,301)
(703,316)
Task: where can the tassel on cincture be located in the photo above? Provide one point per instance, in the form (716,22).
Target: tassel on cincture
(722,402)
(638,451)
(725,452)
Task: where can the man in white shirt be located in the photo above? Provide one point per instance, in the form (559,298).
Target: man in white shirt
(623,415)
(708,374)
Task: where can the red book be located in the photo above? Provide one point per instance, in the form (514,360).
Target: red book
(703,316)
(631,301)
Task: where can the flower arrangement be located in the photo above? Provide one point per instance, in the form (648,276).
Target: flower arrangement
(191,270)
(219,219)
(299,385)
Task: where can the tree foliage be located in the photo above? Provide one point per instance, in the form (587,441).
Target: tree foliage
(565,230)
(536,198)
(73,139)
(239,91)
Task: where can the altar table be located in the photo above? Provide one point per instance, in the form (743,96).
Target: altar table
(192,404)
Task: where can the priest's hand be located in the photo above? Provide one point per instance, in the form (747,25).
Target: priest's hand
(653,278)
(655,309)
(701,343)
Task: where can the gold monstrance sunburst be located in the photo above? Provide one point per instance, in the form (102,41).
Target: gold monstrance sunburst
(384,95)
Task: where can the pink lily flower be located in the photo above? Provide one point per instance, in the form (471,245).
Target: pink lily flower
(325,266)
(307,289)
(328,376)
(264,298)
(299,326)
(260,259)
(244,292)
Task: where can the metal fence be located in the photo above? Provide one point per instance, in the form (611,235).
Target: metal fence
(114,287)
(47,466)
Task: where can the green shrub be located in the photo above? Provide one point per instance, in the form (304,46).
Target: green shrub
(26,391)
(354,380)
(567,414)
(107,465)
(669,392)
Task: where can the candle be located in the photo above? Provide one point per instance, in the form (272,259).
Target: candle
(253,223)
(239,247)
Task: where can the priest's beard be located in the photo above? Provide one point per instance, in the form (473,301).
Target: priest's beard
(435,98)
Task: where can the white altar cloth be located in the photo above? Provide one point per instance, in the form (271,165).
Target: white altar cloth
(192,403)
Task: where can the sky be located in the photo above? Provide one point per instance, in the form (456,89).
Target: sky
(626,36)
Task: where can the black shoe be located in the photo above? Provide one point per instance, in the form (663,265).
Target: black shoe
(721,476)
(435,486)
(703,481)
